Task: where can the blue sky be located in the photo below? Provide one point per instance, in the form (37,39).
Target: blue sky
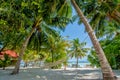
(74,30)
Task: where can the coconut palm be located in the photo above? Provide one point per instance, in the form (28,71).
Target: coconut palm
(78,50)
(104,19)
(106,69)
(57,49)
(100,13)
(26,17)
(41,12)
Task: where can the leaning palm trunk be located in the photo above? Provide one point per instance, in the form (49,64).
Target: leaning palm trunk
(17,66)
(106,69)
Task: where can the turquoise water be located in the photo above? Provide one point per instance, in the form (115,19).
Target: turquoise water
(80,64)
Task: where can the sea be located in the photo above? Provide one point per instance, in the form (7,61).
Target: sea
(81,64)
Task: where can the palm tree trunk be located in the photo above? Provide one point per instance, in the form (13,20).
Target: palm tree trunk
(77,62)
(17,66)
(106,69)
(52,59)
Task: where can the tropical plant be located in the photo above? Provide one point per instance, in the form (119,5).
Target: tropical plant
(57,49)
(5,61)
(105,67)
(29,56)
(100,13)
(32,14)
(78,50)
(93,59)
(111,48)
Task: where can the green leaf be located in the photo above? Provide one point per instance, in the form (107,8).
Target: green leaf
(24,4)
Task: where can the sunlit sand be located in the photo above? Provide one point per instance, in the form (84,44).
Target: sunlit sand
(54,74)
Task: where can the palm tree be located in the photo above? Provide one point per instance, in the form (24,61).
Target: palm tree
(101,13)
(78,50)
(57,48)
(44,13)
(106,69)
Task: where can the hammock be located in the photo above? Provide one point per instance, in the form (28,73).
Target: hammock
(51,64)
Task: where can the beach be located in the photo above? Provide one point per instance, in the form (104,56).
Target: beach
(54,74)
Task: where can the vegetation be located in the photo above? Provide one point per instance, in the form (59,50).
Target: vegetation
(57,49)
(111,48)
(106,69)
(6,61)
(78,50)
(31,27)
(104,19)
(29,17)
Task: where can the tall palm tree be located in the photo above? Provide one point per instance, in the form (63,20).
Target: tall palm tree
(42,12)
(78,50)
(106,69)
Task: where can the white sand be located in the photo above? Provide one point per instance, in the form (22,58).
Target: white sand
(40,74)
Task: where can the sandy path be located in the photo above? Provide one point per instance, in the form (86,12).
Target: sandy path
(38,74)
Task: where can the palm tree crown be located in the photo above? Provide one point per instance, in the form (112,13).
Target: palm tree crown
(78,49)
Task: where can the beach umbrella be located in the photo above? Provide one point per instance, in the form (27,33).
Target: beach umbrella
(11,53)
(1,56)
